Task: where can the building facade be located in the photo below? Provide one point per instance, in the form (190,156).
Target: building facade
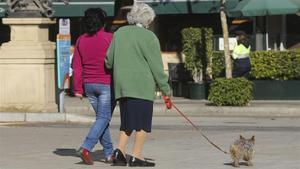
(36,70)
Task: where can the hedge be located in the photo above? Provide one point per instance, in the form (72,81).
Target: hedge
(275,65)
(230,92)
(271,65)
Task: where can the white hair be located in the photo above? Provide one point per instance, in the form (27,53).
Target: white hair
(141,13)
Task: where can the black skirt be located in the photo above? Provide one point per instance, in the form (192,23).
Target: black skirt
(241,67)
(136,114)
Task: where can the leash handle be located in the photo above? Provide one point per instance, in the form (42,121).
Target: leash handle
(168,102)
(203,135)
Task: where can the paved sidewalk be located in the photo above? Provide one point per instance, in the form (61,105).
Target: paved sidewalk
(173,144)
(77,110)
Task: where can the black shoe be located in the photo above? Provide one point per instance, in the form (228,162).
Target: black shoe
(107,160)
(118,159)
(135,162)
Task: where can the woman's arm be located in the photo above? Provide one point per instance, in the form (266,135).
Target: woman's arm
(153,56)
(77,70)
(109,59)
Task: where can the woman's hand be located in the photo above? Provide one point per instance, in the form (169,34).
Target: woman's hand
(78,95)
(168,102)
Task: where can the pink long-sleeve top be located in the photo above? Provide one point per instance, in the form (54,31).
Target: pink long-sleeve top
(88,62)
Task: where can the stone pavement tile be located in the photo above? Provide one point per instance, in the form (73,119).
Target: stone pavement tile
(6,117)
(171,145)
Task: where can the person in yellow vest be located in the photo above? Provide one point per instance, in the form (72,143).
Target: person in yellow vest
(240,54)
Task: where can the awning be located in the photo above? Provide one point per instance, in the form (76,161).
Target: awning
(266,7)
(74,8)
(77,7)
(2,8)
(188,6)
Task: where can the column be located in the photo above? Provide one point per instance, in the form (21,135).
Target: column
(27,67)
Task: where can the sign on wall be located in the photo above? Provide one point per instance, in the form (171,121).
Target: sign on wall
(232,43)
(64,26)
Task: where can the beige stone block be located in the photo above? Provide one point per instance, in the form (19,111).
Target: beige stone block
(28,50)
(27,88)
(28,29)
(25,32)
(27,67)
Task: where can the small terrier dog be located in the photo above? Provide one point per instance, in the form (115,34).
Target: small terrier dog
(242,149)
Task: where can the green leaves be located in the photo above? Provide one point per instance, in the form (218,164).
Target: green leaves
(274,65)
(218,63)
(230,92)
(191,39)
(198,49)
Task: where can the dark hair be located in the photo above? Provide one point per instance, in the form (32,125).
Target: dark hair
(94,20)
(243,38)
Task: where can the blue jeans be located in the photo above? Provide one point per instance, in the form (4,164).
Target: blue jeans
(100,98)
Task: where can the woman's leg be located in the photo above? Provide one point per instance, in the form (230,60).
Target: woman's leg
(105,141)
(140,138)
(105,109)
(124,136)
(97,95)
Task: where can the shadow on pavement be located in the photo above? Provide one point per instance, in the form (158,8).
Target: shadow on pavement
(96,155)
(231,164)
(66,152)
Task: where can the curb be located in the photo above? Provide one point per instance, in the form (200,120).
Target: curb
(159,111)
(81,111)
(44,117)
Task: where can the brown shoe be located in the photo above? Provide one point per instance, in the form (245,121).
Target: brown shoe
(85,156)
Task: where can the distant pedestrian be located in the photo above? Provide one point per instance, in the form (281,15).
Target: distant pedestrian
(135,59)
(241,53)
(72,48)
(90,75)
(70,90)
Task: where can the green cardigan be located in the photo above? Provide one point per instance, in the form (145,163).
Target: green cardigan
(135,58)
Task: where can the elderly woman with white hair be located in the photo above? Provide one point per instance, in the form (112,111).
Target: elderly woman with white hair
(135,60)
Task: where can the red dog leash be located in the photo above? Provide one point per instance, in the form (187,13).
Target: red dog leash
(195,127)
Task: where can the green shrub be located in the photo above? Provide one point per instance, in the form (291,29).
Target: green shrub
(230,92)
(207,48)
(198,49)
(191,41)
(218,64)
(273,65)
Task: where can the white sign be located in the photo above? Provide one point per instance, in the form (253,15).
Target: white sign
(232,43)
(64,26)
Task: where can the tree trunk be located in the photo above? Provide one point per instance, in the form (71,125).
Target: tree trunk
(226,41)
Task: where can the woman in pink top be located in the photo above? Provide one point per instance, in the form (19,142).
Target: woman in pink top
(90,75)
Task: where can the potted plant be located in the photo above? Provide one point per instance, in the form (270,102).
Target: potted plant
(197,48)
